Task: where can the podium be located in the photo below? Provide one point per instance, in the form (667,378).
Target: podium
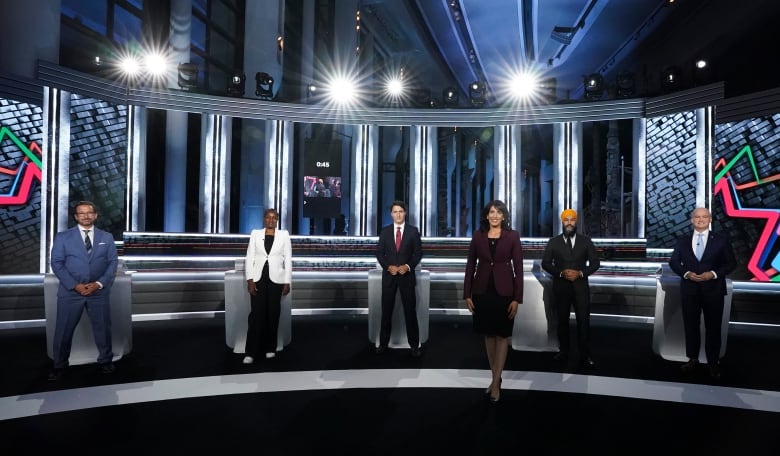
(238,305)
(398,330)
(668,328)
(83,349)
(535,326)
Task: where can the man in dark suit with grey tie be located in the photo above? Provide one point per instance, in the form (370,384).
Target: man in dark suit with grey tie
(399,251)
(571,258)
(84,259)
(702,259)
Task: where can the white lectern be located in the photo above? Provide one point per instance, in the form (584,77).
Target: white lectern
(398,331)
(668,329)
(83,349)
(237,307)
(535,322)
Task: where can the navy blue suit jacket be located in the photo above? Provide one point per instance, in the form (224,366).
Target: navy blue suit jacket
(72,265)
(506,266)
(718,256)
(410,252)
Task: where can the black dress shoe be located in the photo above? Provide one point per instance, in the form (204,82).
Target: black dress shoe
(416,352)
(714,370)
(690,366)
(56,374)
(561,356)
(380,349)
(107,368)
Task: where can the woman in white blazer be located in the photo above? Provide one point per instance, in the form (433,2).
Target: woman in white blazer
(268,272)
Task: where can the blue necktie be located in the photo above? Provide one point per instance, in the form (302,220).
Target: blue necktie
(699,246)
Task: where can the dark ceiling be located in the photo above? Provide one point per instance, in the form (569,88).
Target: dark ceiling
(568,39)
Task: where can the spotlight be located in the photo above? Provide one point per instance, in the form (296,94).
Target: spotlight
(237,85)
(594,86)
(450,97)
(671,79)
(477,93)
(265,85)
(626,85)
(188,76)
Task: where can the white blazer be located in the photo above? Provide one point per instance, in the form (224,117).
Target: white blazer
(279,258)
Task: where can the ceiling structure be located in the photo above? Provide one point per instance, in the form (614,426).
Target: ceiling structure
(489,40)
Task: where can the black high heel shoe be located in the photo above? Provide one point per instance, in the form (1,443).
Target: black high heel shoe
(487,390)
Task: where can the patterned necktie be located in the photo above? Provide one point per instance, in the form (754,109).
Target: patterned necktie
(87,242)
(398,239)
(700,246)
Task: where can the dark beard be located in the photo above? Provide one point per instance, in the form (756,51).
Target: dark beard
(569,231)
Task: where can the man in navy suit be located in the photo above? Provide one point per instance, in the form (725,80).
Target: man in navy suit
(399,251)
(702,259)
(571,258)
(84,259)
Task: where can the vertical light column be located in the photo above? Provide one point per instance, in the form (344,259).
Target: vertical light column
(135,197)
(365,185)
(175,185)
(567,166)
(705,132)
(506,171)
(278,169)
(55,189)
(422,179)
(639,179)
(214,199)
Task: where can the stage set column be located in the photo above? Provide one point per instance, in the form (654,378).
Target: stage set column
(55,188)
(365,181)
(705,134)
(567,169)
(278,169)
(507,162)
(175,197)
(214,199)
(422,179)
(135,202)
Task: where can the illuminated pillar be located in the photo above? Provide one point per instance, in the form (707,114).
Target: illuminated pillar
(506,174)
(422,179)
(567,166)
(278,169)
(365,181)
(135,197)
(705,133)
(214,195)
(55,185)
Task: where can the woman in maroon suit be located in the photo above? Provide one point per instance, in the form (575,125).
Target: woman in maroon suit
(493,286)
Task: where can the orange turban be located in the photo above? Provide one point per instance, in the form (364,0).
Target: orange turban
(569,213)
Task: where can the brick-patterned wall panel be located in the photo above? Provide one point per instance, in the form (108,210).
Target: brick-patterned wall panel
(671,177)
(20,223)
(762,135)
(98,152)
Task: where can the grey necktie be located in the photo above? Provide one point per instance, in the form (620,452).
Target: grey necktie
(87,242)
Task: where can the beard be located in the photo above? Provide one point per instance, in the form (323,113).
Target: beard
(569,230)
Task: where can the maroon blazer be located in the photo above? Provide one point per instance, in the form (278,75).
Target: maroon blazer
(506,266)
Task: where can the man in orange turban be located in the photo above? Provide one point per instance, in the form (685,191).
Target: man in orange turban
(570,258)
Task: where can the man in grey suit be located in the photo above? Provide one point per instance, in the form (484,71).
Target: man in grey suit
(84,259)
(571,258)
(399,251)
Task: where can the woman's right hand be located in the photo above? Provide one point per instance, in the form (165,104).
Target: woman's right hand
(470,305)
(251,287)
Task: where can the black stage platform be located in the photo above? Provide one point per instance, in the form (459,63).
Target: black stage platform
(181,389)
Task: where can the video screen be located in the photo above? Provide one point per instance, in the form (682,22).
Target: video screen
(321,189)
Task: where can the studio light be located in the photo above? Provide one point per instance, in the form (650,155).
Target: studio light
(237,85)
(477,93)
(188,76)
(264,85)
(450,97)
(594,86)
(671,79)
(626,84)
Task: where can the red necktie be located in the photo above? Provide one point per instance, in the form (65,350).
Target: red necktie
(398,239)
